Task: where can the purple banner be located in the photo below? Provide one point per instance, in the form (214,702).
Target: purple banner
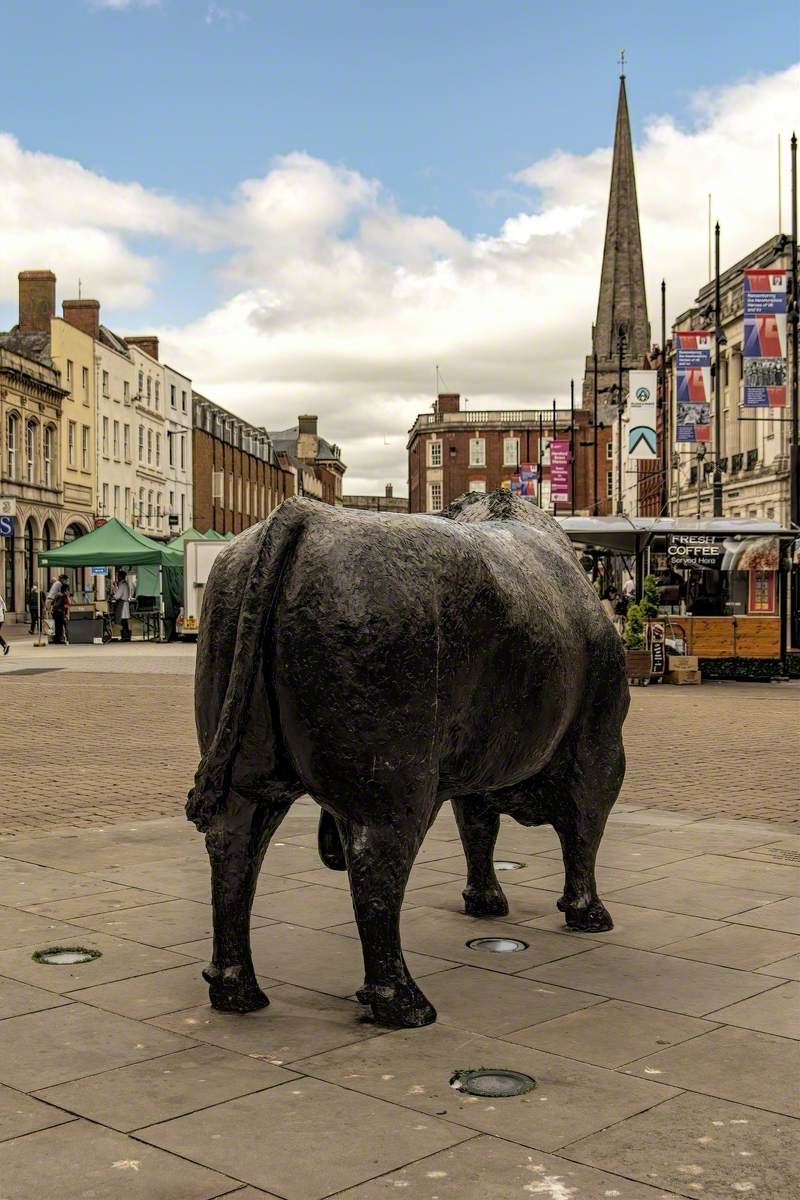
(559,471)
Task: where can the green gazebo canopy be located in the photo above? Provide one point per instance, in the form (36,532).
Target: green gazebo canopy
(113,544)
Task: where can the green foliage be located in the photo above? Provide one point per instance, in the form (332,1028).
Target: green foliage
(634,628)
(649,602)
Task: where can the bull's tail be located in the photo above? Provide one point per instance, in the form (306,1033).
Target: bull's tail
(260,595)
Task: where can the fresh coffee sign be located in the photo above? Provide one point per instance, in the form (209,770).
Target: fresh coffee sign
(695,550)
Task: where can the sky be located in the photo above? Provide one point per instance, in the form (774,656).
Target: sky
(314,203)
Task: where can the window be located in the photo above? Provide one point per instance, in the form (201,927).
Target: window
(72,431)
(30,451)
(158,394)
(609,451)
(477,452)
(182,441)
(239,494)
(171,503)
(477,485)
(183,511)
(126,443)
(216,485)
(105,437)
(85,448)
(141,385)
(511,452)
(173,396)
(105,383)
(609,485)
(158,449)
(159,506)
(126,391)
(85,379)
(47,455)
(434,497)
(141,505)
(116,500)
(149,389)
(149,447)
(141,443)
(11,445)
(171,448)
(127,513)
(115,441)
(434,454)
(69,370)
(149,507)
(105,500)
(183,401)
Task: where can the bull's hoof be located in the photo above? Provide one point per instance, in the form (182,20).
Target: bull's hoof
(234,989)
(485,904)
(401,1006)
(593,918)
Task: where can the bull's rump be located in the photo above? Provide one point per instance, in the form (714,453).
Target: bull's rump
(411,649)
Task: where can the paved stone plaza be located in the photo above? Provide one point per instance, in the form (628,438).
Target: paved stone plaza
(665,1051)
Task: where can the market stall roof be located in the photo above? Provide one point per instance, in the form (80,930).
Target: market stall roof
(190,535)
(629,534)
(213,536)
(113,544)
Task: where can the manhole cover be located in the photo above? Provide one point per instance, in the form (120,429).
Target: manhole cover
(65,956)
(507,864)
(497,945)
(492,1081)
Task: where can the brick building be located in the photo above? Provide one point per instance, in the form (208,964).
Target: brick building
(238,478)
(452,451)
(318,463)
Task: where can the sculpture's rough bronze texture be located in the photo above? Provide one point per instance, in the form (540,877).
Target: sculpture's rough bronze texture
(385,664)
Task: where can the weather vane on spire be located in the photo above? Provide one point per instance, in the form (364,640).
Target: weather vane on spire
(621,61)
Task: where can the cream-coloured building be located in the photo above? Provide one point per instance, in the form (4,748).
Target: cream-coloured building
(754,442)
(178,433)
(150,452)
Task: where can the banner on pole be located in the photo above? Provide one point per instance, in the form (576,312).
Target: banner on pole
(764,351)
(693,385)
(559,471)
(526,480)
(642,415)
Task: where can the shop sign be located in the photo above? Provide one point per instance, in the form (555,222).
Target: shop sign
(695,550)
(658,652)
(6,527)
(99,570)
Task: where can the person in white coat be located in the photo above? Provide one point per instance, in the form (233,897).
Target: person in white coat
(122,605)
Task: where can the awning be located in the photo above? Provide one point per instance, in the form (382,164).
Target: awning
(113,544)
(628,535)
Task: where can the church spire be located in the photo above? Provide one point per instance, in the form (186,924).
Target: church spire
(622,299)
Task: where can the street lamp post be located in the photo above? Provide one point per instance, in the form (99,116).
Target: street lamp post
(718,339)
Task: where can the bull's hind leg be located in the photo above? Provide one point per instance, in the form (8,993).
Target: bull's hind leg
(237,841)
(585,797)
(479,827)
(379,860)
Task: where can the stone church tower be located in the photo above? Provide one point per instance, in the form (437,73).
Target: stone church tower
(622,303)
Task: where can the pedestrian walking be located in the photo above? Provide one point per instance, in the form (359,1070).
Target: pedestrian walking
(57,601)
(36,605)
(3,643)
(122,598)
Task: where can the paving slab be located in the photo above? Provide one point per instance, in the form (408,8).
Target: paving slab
(313,906)
(726,1149)
(493,1003)
(334,1153)
(492,1169)
(119,959)
(102,902)
(778,1011)
(160,1089)
(780,914)
(640,928)
(151,995)
(18,928)
(736,1064)
(296,1024)
(445,934)
(524,901)
(711,837)
(313,958)
(784,968)
(740,873)
(21,1114)
(414,1068)
(162,924)
(284,858)
(690,896)
(82,1160)
(420,877)
(740,946)
(632,856)
(611,1034)
(609,879)
(533,866)
(44,1048)
(17,998)
(22,884)
(655,980)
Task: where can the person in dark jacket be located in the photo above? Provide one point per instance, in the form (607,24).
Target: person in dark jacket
(36,605)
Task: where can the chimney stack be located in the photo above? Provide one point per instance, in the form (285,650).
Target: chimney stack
(448,402)
(389,491)
(147,342)
(307,440)
(84,315)
(37,300)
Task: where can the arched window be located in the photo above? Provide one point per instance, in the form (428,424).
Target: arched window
(158,449)
(12,425)
(30,557)
(149,446)
(141,507)
(30,451)
(48,449)
(149,508)
(159,509)
(141,443)
(9,581)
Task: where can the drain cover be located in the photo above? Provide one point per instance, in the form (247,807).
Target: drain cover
(65,956)
(494,1082)
(497,945)
(507,864)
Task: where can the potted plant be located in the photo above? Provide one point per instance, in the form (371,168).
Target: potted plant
(637,658)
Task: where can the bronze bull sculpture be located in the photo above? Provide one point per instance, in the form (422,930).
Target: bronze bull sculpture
(385,664)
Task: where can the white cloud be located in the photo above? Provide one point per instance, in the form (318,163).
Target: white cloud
(120,4)
(340,304)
